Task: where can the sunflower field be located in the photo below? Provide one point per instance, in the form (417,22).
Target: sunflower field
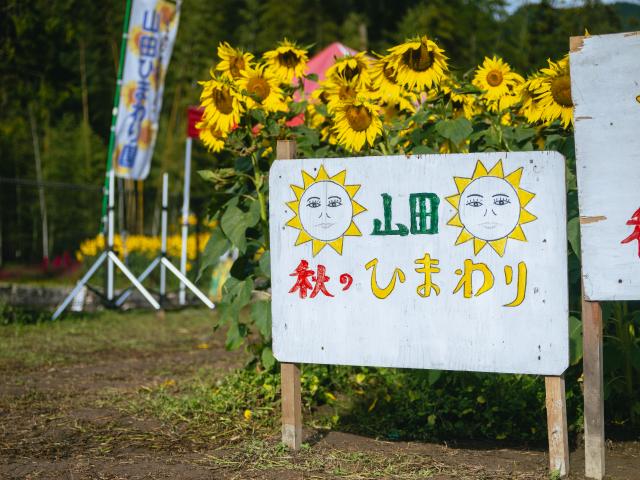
(409,99)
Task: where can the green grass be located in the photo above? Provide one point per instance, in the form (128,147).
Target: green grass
(238,417)
(384,403)
(77,338)
(259,455)
(232,419)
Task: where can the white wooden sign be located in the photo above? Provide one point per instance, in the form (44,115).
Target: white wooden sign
(454,262)
(605,86)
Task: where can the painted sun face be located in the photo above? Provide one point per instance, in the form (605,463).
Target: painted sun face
(489,208)
(324,209)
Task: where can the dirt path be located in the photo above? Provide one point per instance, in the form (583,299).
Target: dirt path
(67,421)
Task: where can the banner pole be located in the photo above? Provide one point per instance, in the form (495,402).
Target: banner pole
(163,248)
(185,218)
(110,237)
(114,111)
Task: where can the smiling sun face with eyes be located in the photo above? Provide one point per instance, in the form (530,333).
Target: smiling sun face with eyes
(324,209)
(490,208)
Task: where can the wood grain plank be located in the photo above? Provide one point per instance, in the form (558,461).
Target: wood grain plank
(592,362)
(557,425)
(290,373)
(291,406)
(575,43)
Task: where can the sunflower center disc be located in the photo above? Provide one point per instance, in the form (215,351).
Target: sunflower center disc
(494,78)
(222,101)
(289,59)
(351,72)
(561,90)
(259,87)
(418,59)
(359,118)
(236,64)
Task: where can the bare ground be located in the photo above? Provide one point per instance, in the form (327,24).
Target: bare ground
(62,421)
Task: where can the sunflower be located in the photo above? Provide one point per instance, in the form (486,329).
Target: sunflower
(530,107)
(232,60)
(392,111)
(287,61)
(328,135)
(352,68)
(506,119)
(383,81)
(263,89)
(449,147)
(212,138)
(554,93)
(221,102)
(339,89)
(357,122)
(315,119)
(419,63)
(505,102)
(495,77)
(463,104)
(317,113)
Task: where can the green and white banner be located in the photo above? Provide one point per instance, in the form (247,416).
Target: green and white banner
(152,32)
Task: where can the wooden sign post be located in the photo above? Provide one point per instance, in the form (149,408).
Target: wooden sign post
(593,384)
(449,262)
(605,87)
(290,372)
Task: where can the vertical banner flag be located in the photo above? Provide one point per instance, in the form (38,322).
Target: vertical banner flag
(194,116)
(152,33)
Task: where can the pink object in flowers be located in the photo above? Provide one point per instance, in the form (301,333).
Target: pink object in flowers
(322,61)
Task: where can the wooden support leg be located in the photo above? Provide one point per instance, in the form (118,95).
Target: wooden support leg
(593,390)
(557,425)
(290,373)
(291,406)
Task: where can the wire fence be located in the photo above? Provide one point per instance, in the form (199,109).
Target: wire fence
(72,213)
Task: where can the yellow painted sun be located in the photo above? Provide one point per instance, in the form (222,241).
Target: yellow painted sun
(490,208)
(324,209)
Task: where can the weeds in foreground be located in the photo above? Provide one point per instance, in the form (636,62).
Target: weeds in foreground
(387,404)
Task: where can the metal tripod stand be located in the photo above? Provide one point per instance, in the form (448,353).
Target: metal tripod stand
(111,258)
(164,262)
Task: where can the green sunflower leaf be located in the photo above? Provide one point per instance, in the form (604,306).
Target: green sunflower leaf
(456,130)
(216,246)
(575,340)
(235,222)
(268,360)
(261,316)
(573,235)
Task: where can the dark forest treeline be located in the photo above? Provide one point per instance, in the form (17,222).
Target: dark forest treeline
(59,61)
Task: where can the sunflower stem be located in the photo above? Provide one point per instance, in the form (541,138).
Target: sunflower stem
(385,146)
(258,180)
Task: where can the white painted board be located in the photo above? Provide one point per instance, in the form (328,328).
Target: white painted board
(605,86)
(327,219)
